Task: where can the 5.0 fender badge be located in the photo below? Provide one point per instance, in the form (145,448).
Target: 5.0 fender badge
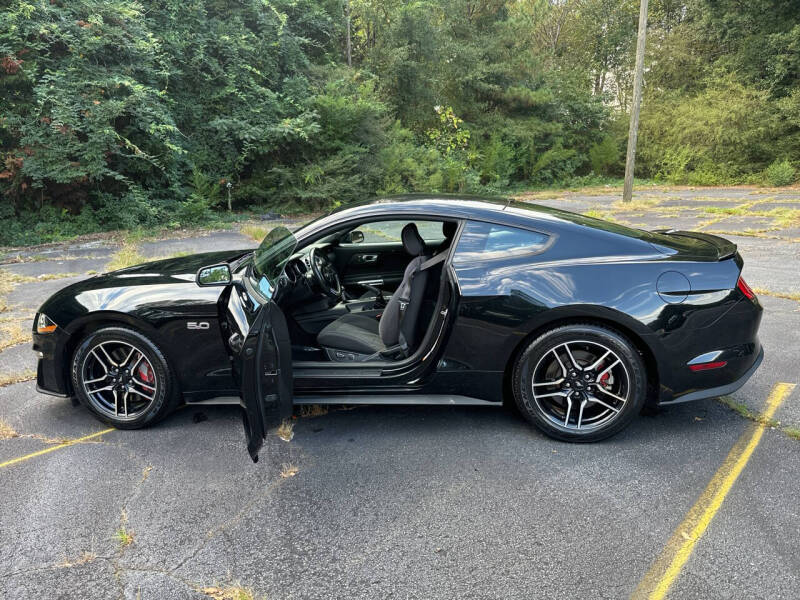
(197,325)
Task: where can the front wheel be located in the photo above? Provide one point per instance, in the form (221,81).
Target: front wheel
(580,383)
(122,378)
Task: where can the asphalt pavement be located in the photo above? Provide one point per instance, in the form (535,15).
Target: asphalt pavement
(408,502)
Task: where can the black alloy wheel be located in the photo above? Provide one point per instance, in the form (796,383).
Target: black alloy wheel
(123,378)
(580,383)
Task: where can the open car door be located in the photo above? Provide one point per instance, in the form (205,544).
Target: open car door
(261,355)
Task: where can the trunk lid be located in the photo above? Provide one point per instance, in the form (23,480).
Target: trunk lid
(692,245)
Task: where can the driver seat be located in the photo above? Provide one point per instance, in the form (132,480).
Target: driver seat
(360,337)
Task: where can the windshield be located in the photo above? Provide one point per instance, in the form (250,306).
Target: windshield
(271,256)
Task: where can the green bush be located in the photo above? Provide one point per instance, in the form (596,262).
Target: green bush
(604,156)
(780,173)
(723,133)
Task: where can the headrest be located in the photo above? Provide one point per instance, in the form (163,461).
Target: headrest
(412,240)
(449,229)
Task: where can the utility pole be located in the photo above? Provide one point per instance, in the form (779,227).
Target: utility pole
(349,42)
(630,157)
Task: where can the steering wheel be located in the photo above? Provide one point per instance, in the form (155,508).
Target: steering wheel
(325,274)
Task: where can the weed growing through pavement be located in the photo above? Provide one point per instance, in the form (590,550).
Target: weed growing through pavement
(6,431)
(228,592)
(289,470)
(285,430)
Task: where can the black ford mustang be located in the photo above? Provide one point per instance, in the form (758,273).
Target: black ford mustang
(413,300)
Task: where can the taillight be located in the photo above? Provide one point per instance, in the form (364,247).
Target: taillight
(745,289)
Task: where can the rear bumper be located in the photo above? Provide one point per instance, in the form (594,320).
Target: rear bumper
(721,390)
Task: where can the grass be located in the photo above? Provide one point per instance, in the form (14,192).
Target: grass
(51,276)
(784,217)
(313,410)
(12,333)
(289,470)
(600,214)
(127,256)
(11,378)
(255,232)
(636,204)
(9,280)
(785,295)
(228,592)
(743,411)
(123,536)
(741,211)
(82,559)
(6,431)
(592,185)
(756,233)
(285,430)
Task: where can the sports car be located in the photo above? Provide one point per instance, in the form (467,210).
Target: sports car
(577,322)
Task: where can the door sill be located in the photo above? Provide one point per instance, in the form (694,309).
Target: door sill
(375,399)
(395,399)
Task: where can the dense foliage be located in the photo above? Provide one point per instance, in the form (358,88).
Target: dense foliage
(118,113)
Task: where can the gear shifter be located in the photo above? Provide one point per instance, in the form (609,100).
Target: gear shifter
(380,301)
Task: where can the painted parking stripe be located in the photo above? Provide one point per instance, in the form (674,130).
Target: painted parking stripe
(20,459)
(667,567)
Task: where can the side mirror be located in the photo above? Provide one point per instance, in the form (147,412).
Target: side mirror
(214,275)
(354,237)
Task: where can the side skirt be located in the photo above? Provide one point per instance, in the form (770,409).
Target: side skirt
(375,399)
(396,399)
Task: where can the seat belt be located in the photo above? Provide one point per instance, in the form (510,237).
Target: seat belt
(403,345)
(431,262)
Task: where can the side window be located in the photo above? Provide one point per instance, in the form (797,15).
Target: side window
(484,241)
(385,232)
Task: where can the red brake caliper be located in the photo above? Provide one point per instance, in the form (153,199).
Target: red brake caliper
(146,373)
(604,379)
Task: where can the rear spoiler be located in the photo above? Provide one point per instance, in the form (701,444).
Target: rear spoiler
(725,248)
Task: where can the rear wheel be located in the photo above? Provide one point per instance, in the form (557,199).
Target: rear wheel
(123,378)
(580,383)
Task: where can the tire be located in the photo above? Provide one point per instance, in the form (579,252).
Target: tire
(588,404)
(141,397)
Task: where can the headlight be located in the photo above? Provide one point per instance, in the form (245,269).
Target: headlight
(44,324)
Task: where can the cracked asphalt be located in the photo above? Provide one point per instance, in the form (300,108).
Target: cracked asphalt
(401,502)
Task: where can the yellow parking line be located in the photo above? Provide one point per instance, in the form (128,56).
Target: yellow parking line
(667,567)
(14,461)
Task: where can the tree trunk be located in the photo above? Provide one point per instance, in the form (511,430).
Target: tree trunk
(349,42)
(630,158)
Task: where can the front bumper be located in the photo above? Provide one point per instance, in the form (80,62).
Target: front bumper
(52,369)
(721,390)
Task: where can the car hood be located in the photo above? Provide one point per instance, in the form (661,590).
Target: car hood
(160,286)
(177,267)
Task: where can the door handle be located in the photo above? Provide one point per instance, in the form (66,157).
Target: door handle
(368,258)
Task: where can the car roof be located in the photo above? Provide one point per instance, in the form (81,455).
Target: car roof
(500,210)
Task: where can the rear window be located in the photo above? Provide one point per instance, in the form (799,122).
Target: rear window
(485,241)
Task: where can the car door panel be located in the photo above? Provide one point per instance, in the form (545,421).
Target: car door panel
(371,263)
(260,351)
